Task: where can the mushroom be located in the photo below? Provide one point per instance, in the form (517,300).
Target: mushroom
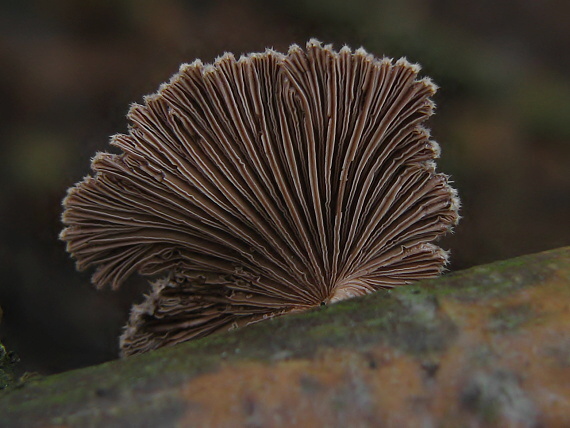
(262,186)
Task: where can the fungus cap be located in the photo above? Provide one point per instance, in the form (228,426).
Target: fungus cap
(262,186)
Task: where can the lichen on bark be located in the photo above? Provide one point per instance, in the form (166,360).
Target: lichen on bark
(488,346)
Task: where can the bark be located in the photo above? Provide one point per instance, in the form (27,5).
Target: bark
(488,346)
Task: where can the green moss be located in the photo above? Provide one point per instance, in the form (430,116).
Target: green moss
(497,279)
(7,362)
(327,330)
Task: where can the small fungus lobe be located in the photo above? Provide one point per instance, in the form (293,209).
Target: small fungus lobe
(265,185)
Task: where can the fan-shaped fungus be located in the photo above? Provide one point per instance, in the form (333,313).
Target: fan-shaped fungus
(262,186)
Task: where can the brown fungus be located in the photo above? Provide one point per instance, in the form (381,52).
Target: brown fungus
(265,185)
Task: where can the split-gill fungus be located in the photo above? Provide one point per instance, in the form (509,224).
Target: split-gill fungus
(262,186)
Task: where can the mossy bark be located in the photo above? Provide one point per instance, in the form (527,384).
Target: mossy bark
(488,346)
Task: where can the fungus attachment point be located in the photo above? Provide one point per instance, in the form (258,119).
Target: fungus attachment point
(263,186)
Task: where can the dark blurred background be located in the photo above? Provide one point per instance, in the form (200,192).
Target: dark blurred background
(69,70)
